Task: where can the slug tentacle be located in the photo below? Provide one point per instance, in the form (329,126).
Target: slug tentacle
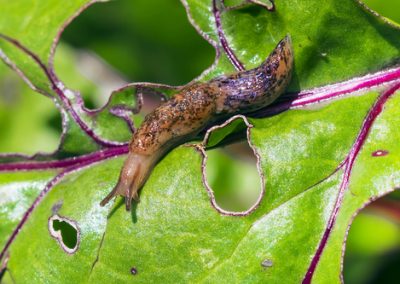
(132,177)
(194,108)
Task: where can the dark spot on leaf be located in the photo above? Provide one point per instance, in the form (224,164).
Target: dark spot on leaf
(266,263)
(66,232)
(379,153)
(56,207)
(134,271)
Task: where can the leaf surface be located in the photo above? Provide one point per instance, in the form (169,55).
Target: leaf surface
(324,153)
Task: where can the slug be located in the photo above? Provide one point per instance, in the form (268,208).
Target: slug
(195,107)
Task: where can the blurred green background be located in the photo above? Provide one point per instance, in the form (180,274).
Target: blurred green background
(136,40)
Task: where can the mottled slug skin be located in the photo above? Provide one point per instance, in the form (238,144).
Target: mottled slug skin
(197,106)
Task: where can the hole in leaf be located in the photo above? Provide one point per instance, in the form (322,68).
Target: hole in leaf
(89,102)
(372,252)
(230,177)
(151,100)
(233,176)
(66,232)
(54,122)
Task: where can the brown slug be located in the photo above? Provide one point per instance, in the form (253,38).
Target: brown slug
(195,107)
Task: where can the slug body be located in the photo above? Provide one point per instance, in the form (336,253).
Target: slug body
(194,108)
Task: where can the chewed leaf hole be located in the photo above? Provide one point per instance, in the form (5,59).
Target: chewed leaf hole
(372,252)
(66,233)
(232,174)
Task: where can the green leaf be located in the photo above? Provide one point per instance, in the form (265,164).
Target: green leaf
(31,51)
(18,190)
(91,220)
(332,41)
(33,114)
(328,154)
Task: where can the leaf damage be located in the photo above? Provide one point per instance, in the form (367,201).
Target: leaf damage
(206,143)
(71,106)
(66,232)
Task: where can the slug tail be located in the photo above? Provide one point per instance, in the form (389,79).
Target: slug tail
(280,61)
(251,90)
